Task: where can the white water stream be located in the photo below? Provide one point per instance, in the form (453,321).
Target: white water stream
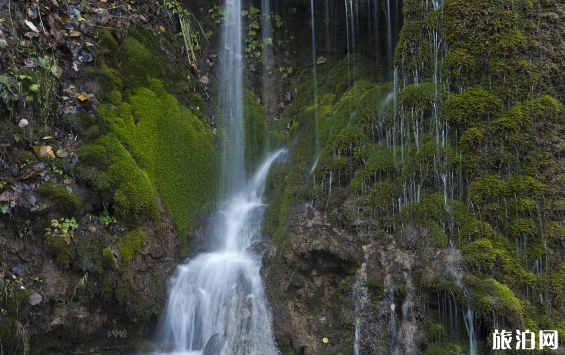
(217,303)
(221,292)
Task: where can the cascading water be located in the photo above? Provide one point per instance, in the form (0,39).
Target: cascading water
(231,98)
(216,301)
(221,292)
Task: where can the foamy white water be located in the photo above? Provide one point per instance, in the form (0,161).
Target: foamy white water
(222,292)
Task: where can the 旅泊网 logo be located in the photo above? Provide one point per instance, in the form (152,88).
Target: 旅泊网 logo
(525,340)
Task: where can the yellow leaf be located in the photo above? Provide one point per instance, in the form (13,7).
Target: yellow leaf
(43,151)
(82,97)
(325,340)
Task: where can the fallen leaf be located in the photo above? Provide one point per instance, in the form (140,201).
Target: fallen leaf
(57,71)
(143,18)
(61,153)
(74,33)
(35,299)
(204,80)
(31,34)
(43,151)
(82,98)
(31,26)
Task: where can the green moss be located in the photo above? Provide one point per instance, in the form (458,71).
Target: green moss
(253,131)
(134,194)
(108,47)
(471,108)
(63,198)
(138,63)
(172,146)
(129,245)
(12,301)
(418,100)
(94,155)
(23,156)
(58,248)
(434,331)
(380,164)
(489,295)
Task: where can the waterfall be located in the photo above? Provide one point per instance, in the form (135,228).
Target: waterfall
(221,292)
(216,300)
(470,326)
(231,98)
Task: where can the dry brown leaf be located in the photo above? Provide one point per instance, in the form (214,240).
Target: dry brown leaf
(57,71)
(61,153)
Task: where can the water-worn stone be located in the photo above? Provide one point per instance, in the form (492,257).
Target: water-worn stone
(214,345)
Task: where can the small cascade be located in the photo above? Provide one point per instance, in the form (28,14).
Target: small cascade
(219,295)
(470,320)
(361,296)
(313,168)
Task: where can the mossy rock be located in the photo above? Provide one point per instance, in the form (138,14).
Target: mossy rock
(489,295)
(471,108)
(254,131)
(129,245)
(59,249)
(64,198)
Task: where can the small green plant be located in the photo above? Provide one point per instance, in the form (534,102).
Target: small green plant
(64,227)
(321,60)
(26,230)
(107,219)
(190,27)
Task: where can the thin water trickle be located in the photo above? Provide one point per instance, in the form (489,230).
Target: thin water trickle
(360,294)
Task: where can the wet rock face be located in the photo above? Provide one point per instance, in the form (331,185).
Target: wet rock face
(309,280)
(214,345)
(73,311)
(313,280)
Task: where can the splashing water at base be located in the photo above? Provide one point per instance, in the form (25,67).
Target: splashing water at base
(222,292)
